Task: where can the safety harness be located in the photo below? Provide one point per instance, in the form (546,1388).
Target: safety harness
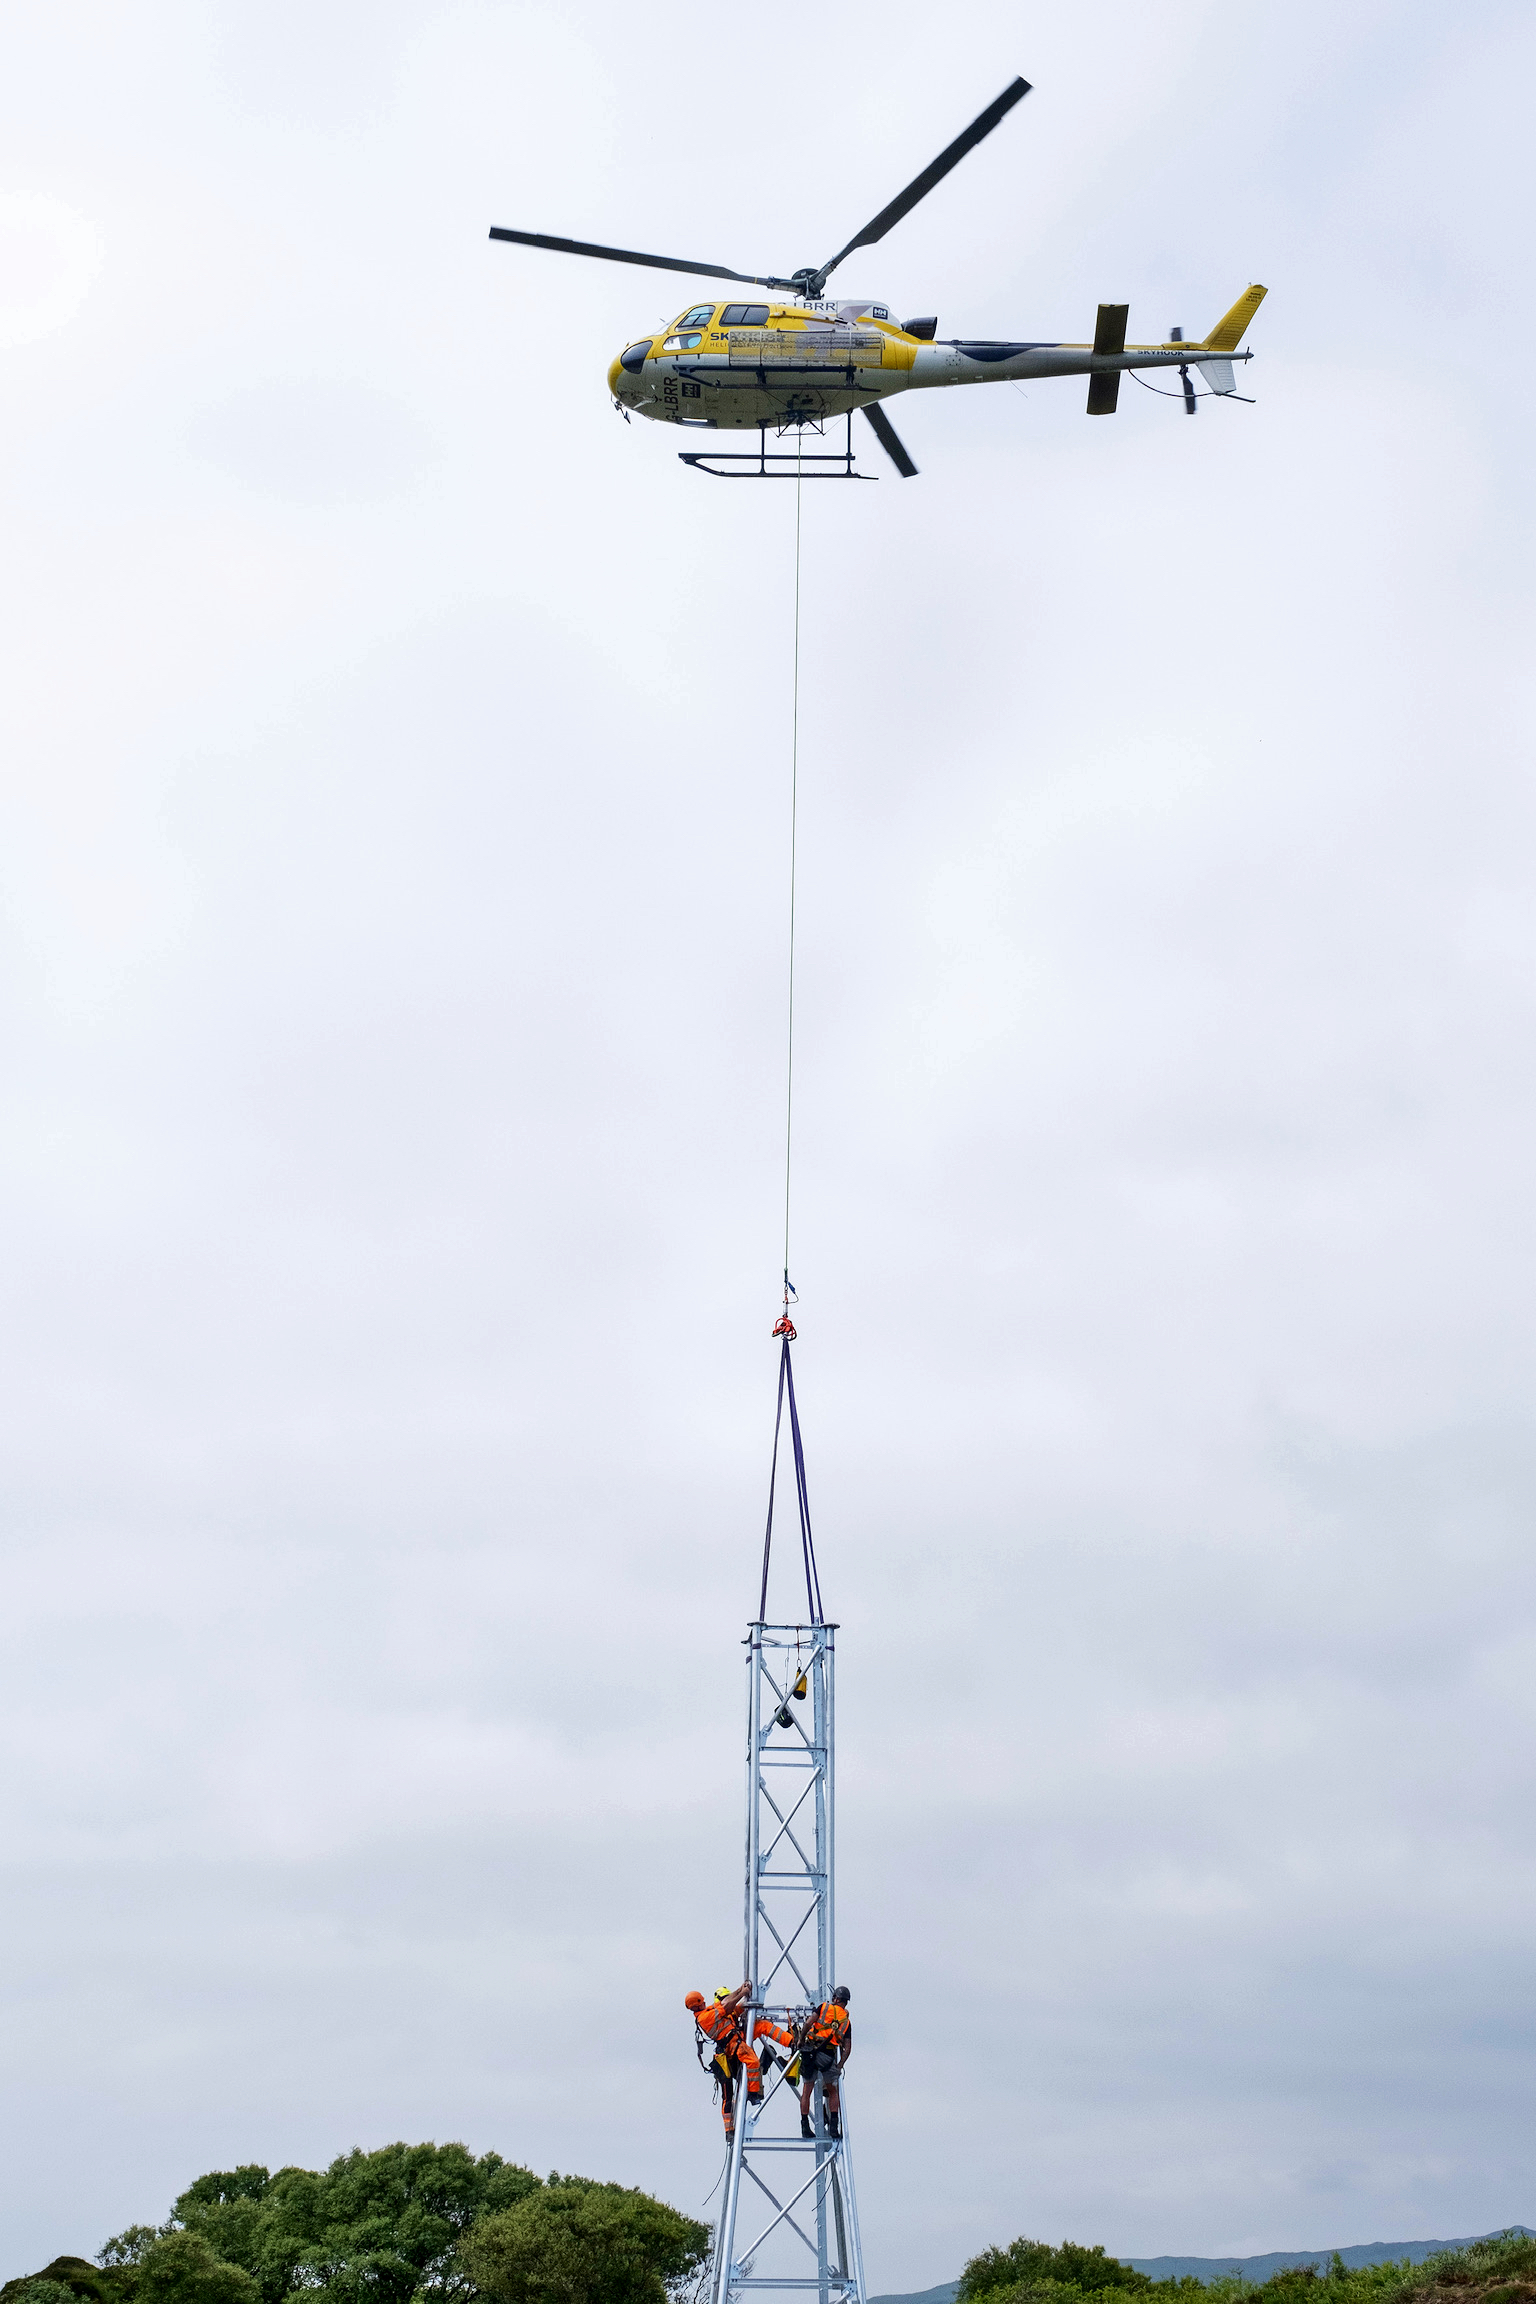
(723,2059)
(822,2041)
(829,2026)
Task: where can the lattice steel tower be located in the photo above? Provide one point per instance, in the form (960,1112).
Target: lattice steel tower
(789,2220)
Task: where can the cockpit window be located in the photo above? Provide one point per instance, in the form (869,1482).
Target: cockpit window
(744,316)
(699,317)
(682,343)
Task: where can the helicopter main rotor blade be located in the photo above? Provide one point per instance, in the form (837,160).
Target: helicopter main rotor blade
(632,256)
(885,433)
(934,173)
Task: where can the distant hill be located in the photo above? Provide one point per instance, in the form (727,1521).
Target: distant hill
(1279,2260)
(1251,2267)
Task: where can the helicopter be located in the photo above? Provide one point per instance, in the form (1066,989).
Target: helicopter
(791,366)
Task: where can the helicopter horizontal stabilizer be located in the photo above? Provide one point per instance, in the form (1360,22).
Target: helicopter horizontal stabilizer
(1109,328)
(1218,375)
(1229,330)
(1108,338)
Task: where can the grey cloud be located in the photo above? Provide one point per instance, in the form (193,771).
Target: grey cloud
(395,922)
(314,443)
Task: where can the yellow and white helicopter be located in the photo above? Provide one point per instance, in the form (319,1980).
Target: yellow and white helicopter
(782,367)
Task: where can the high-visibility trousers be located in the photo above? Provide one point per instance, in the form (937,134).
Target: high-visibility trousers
(745,2064)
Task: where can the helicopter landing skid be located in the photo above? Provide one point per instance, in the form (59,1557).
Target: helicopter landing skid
(775,463)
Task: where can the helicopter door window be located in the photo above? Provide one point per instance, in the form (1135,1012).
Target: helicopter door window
(744,316)
(699,317)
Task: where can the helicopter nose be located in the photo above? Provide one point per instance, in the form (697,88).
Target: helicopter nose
(626,369)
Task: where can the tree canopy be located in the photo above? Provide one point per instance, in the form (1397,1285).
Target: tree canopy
(582,2243)
(182,2268)
(382,2225)
(394,2226)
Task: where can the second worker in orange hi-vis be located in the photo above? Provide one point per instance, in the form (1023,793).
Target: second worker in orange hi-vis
(723,2025)
(825,2048)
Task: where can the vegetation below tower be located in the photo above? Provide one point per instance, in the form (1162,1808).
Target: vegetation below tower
(1501,2270)
(431,2224)
(410,2224)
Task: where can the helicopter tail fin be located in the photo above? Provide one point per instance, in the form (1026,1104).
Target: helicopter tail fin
(1228,332)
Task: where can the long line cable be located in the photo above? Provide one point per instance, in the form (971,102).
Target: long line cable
(794,810)
(785,1328)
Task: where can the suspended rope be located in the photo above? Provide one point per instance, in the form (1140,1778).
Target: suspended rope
(784,1328)
(794,812)
(714,2188)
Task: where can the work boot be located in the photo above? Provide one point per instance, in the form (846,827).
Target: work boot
(806,2130)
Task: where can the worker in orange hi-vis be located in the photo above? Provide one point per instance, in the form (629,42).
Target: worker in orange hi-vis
(723,2025)
(825,2047)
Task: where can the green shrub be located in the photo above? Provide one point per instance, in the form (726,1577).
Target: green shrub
(181,2268)
(1497,2271)
(1031,2263)
(67,2280)
(579,2243)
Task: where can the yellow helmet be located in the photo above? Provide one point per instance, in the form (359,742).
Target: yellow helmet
(724,1992)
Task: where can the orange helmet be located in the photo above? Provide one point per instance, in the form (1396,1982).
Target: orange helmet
(694,2000)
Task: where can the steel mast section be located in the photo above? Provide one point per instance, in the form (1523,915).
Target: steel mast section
(789,2221)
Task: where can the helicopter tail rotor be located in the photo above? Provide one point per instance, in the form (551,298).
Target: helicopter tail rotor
(1176,336)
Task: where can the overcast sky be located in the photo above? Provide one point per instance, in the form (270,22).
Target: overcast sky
(394,849)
